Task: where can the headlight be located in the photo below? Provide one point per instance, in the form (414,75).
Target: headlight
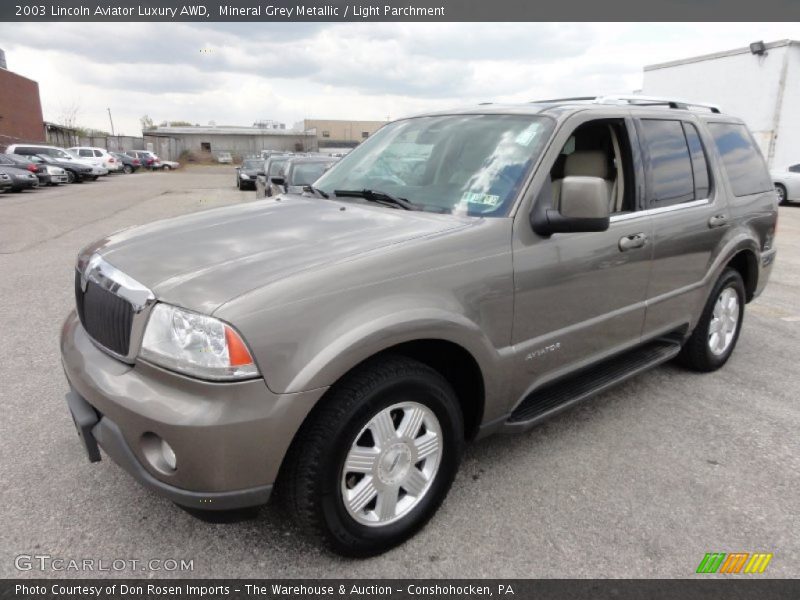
(196,345)
(54,171)
(244,176)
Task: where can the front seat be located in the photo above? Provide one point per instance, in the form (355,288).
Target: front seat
(588,163)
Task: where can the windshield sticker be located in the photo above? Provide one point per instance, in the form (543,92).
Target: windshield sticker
(526,136)
(480,198)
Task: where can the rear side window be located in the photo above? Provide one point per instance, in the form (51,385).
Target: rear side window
(743,163)
(670,176)
(795,168)
(699,162)
(98,153)
(85,152)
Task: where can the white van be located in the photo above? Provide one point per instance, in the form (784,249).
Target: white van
(56,153)
(98,156)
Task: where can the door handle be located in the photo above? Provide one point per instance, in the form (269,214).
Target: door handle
(717,221)
(637,240)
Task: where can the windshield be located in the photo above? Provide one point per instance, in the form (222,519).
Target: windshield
(466,164)
(307,173)
(275,165)
(252,163)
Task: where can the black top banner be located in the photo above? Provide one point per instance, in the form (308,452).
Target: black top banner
(400,10)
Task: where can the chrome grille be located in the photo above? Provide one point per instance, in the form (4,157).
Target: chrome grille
(106,317)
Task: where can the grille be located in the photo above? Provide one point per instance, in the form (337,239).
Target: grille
(105,316)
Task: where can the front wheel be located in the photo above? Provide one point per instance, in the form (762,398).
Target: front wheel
(375,460)
(127,169)
(715,336)
(780,189)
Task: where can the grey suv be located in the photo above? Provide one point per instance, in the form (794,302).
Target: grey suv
(457,274)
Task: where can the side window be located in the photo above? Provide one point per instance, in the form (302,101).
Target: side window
(795,168)
(98,153)
(85,152)
(669,176)
(744,165)
(598,149)
(702,185)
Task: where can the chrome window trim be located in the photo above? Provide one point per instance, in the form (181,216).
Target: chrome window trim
(657,211)
(96,269)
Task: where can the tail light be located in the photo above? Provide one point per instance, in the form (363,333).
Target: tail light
(32,168)
(137,162)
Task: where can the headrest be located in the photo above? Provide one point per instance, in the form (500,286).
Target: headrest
(591,163)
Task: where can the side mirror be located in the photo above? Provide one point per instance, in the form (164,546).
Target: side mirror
(278,180)
(583,206)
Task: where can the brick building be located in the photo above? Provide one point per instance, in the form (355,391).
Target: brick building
(20,109)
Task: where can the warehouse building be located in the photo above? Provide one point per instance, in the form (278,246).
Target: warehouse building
(332,133)
(171,142)
(760,84)
(20,108)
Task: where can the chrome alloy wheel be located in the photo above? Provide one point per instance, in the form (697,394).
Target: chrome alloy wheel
(391,464)
(724,322)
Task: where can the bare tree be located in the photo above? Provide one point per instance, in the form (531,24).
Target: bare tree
(68,114)
(147,123)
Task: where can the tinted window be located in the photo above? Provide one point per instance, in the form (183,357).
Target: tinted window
(699,162)
(85,152)
(795,168)
(275,166)
(98,153)
(307,173)
(744,165)
(670,179)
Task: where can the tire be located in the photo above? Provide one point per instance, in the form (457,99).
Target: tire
(238,184)
(95,178)
(71,177)
(166,168)
(314,482)
(702,352)
(781,190)
(127,169)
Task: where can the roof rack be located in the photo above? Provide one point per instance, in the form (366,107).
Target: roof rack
(636,100)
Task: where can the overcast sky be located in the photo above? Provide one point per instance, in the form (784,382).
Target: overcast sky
(235,74)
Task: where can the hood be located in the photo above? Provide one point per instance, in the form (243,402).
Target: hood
(202,260)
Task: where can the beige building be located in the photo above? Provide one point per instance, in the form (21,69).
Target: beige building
(333,133)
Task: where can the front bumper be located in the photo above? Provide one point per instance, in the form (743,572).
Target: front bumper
(229,439)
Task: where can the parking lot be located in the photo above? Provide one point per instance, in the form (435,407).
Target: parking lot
(641,481)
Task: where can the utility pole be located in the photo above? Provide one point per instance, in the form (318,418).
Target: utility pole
(111,120)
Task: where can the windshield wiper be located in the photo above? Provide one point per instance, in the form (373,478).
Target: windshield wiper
(313,190)
(378,196)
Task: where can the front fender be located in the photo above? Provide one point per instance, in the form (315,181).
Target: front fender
(347,346)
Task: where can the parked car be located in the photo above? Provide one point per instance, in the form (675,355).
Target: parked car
(787,183)
(129,163)
(147,158)
(5,183)
(460,273)
(59,154)
(97,156)
(77,172)
(272,168)
(47,174)
(246,173)
(300,172)
(225,158)
(21,178)
(168,165)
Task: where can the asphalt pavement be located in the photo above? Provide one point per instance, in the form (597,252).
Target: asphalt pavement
(641,481)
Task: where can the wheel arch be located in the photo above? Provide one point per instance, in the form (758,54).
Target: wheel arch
(744,261)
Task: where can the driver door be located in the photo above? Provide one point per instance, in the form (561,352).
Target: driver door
(580,297)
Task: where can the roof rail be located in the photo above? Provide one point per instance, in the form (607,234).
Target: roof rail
(636,100)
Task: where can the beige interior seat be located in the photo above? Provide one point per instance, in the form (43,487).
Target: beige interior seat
(589,163)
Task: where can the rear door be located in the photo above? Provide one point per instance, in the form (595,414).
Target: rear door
(690,215)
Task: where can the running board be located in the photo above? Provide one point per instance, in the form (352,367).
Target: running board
(554,397)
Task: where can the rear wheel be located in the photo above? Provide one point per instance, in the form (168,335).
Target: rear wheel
(781,190)
(127,169)
(715,336)
(167,168)
(373,463)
